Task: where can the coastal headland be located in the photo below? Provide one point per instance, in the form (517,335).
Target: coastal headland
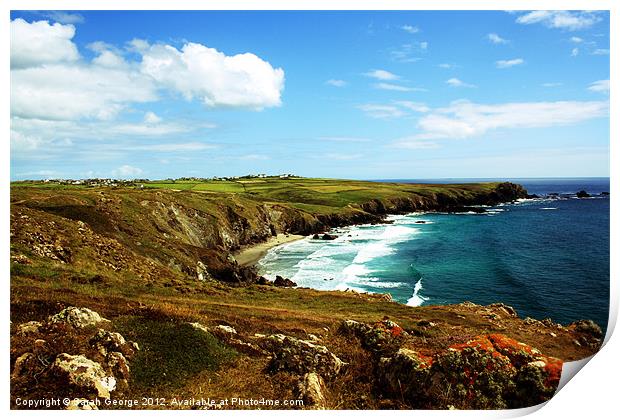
(148,289)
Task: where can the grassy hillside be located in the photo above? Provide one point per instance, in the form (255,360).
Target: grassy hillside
(152,258)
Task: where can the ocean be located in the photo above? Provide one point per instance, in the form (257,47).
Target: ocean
(547,257)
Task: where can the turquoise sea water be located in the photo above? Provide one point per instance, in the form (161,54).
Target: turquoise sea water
(548,258)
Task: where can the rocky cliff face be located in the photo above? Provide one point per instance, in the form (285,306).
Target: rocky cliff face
(179,234)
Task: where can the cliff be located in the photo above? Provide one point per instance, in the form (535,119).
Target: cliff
(137,289)
(167,233)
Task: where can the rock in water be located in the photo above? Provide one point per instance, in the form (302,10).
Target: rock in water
(582,194)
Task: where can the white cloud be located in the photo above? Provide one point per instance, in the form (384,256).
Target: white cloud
(601,86)
(126,171)
(381,111)
(600,51)
(574,52)
(446,66)
(336,82)
(551,84)
(410,29)
(576,39)
(38,43)
(138,45)
(151,118)
(454,82)
(504,64)
(64,17)
(496,39)
(242,80)
(147,129)
(424,45)
(397,88)
(23,142)
(463,119)
(69,92)
(382,75)
(561,19)
(413,106)
(49,79)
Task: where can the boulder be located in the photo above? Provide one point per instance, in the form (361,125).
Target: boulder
(282,282)
(26,364)
(587,326)
(509,310)
(311,389)
(84,373)
(199,326)
(582,194)
(328,237)
(107,341)
(77,317)
(300,356)
(28,328)
(264,282)
(487,372)
(381,338)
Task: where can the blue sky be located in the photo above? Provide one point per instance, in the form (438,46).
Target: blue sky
(365,95)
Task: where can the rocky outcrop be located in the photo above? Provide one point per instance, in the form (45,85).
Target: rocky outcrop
(77,317)
(300,356)
(311,389)
(582,194)
(487,372)
(85,374)
(65,353)
(383,337)
(282,282)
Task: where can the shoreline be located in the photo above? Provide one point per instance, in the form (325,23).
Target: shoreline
(251,254)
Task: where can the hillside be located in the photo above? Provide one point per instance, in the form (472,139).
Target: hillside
(156,261)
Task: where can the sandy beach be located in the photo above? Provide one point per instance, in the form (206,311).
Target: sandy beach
(250,255)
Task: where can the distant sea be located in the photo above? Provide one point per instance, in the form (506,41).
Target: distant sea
(548,257)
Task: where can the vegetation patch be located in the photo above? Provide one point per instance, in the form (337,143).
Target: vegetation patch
(170,351)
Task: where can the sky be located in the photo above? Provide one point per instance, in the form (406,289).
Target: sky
(359,95)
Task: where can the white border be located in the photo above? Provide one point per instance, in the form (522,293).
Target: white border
(593,394)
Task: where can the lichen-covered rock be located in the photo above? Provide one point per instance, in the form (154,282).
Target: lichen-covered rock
(199,326)
(405,364)
(382,338)
(27,328)
(84,373)
(301,356)
(81,404)
(587,327)
(77,317)
(487,372)
(311,389)
(509,310)
(26,364)
(118,364)
(225,329)
(107,341)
